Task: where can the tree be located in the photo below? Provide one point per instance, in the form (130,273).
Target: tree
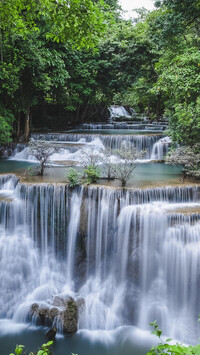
(6,120)
(31,65)
(188,157)
(41,150)
(90,157)
(78,21)
(124,169)
(108,164)
(179,83)
(184,11)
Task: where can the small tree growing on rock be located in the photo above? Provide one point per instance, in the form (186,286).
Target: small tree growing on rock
(128,156)
(108,164)
(41,150)
(90,159)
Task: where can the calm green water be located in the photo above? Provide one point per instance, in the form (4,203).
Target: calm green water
(122,341)
(145,174)
(153,174)
(13,166)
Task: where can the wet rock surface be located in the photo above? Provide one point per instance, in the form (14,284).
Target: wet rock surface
(51,334)
(63,311)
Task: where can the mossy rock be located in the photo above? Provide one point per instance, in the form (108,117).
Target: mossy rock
(70,317)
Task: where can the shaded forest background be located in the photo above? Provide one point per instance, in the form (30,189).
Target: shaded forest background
(64,62)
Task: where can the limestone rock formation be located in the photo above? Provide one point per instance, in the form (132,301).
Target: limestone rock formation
(62,312)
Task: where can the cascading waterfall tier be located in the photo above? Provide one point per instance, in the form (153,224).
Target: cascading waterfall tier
(118,111)
(131,254)
(147,125)
(155,145)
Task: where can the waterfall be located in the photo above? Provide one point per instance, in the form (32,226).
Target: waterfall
(118,111)
(137,125)
(71,145)
(132,255)
(160,148)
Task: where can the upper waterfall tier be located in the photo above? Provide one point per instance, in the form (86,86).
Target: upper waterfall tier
(136,125)
(118,111)
(155,145)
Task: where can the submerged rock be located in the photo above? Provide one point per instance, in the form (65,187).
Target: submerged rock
(51,334)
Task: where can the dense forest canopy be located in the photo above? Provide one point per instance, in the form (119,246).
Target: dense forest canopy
(64,61)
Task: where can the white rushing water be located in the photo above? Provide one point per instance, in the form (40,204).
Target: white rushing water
(137,125)
(118,111)
(74,147)
(132,256)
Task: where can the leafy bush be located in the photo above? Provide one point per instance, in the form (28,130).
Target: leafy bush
(73,177)
(189,157)
(92,174)
(171,349)
(45,349)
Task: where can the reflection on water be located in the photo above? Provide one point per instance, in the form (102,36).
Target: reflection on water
(12,166)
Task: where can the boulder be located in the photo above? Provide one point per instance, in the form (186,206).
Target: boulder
(64,310)
(43,314)
(50,335)
(60,301)
(69,318)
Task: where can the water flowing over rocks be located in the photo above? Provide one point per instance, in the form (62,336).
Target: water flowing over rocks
(63,313)
(124,257)
(118,111)
(148,126)
(70,146)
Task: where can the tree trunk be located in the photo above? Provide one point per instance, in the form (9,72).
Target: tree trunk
(77,113)
(27,124)
(84,112)
(18,126)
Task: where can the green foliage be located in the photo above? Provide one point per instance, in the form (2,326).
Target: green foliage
(18,350)
(47,57)
(92,174)
(73,177)
(188,157)
(185,12)
(171,349)
(78,21)
(6,120)
(34,39)
(45,349)
(179,83)
(5,131)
